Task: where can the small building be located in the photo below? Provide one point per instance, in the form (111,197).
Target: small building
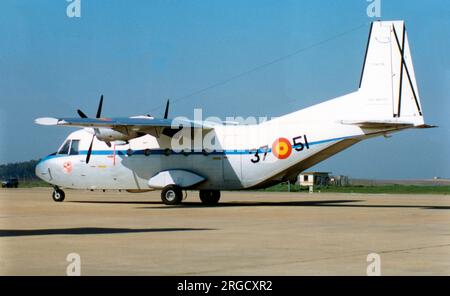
(314,179)
(339,180)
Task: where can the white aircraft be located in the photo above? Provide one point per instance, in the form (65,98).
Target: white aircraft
(137,154)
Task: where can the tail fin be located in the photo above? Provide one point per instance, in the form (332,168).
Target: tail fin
(388,83)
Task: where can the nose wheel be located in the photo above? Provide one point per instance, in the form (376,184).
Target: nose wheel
(58,195)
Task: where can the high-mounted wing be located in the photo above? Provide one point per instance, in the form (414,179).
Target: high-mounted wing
(124,128)
(141,123)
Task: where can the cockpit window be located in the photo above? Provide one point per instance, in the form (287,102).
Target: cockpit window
(74,147)
(65,148)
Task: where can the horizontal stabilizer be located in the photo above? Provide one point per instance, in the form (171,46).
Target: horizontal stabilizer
(426,126)
(385,124)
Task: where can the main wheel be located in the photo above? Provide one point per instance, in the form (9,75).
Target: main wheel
(58,195)
(172,195)
(210,197)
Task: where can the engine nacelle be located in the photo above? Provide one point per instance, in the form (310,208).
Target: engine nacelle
(109,135)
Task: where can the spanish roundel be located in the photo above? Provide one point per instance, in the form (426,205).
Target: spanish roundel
(67,167)
(281,148)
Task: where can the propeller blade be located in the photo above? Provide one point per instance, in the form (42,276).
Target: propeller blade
(99,111)
(82,115)
(88,156)
(166,113)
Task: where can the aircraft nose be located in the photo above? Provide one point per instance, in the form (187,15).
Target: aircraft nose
(42,170)
(39,169)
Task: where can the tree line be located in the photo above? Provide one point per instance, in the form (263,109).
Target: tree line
(21,170)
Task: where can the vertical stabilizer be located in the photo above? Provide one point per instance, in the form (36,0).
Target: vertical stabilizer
(388,82)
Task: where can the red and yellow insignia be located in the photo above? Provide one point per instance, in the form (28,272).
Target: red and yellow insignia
(67,167)
(281,148)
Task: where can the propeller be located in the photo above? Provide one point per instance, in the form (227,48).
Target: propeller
(88,156)
(96,131)
(82,115)
(99,110)
(166,113)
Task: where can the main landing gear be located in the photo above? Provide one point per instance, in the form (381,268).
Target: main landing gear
(209,197)
(58,195)
(173,195)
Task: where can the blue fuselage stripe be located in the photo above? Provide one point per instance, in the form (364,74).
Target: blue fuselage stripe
(163,151)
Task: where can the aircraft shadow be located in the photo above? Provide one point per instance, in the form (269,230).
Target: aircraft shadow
(263,204)
(88,230)
(225,204)
(321,203)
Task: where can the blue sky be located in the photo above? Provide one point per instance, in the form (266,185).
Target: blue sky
(138,53)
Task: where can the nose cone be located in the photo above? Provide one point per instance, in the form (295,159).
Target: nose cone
(42,170)
(39,169)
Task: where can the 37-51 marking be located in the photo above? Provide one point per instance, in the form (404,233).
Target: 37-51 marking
(281,148)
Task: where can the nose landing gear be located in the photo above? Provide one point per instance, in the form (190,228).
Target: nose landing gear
(58,195)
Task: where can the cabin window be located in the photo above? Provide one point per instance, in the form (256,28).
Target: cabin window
(74,147)
(305,178)
(64,148)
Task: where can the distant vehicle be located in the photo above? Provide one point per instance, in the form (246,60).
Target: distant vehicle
(137,153)
(10,183)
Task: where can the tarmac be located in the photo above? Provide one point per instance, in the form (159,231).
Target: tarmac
(248,233)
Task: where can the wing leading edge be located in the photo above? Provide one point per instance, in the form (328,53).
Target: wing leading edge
(140,124)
